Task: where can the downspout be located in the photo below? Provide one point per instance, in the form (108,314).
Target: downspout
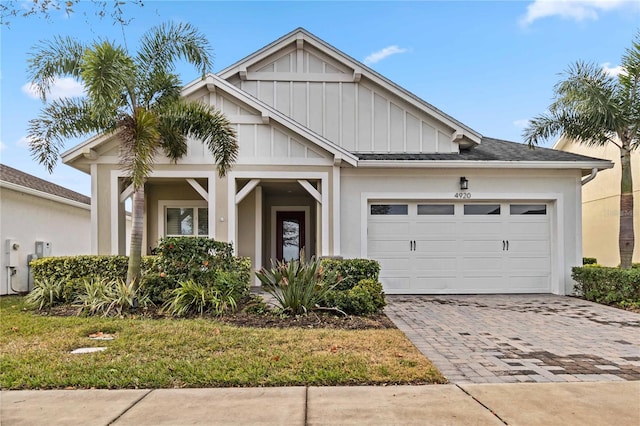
(591,177)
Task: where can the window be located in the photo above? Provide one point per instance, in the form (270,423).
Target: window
(436,209)
(517,209)
(187,221)
(481,209)
(389,209)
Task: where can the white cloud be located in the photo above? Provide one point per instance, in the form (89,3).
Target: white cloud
(522,123)
(578,10)
(383,53)
(23,142)
(2,146)
(612,71)
(61,88)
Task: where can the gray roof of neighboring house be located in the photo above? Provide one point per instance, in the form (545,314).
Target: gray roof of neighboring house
(11,175)
(490,149)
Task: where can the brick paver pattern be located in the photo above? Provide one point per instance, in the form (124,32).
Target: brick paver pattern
(520,338)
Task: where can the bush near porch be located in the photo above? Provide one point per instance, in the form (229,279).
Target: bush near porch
(206,263)
(609,286)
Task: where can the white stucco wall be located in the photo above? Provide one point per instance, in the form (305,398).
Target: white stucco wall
(28,218)
(559,187)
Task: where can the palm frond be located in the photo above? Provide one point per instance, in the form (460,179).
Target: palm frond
(59,57)
(159,88)
(140,140)
(109,76)
(164,44)
(207,124)
(58,121)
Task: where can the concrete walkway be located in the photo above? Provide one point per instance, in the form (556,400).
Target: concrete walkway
(616,403)
(521,338)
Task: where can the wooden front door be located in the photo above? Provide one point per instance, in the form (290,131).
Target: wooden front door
(290,235)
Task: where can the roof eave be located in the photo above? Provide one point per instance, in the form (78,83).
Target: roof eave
(45,195)
(485,164)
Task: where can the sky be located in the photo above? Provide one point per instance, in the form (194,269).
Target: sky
(490,64)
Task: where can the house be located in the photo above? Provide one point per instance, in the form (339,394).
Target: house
(601,203)
(339,160)
(38,218)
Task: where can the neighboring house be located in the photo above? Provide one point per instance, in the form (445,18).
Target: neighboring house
(601,203)
(38,217)
(341,161)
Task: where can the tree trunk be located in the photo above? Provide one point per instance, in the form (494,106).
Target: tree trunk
(135,249)
(626,238)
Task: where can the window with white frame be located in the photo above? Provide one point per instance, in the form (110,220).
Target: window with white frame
(186,221)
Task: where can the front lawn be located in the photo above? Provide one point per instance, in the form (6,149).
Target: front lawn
(166,353)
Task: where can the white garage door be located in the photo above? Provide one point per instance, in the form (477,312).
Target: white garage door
(438,248)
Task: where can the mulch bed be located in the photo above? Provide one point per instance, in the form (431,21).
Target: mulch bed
(314,319)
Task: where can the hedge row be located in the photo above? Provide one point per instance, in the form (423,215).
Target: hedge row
(359,292)
(608,285)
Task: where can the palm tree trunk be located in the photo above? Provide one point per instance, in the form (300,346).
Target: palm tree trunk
(135,248)
(626,238)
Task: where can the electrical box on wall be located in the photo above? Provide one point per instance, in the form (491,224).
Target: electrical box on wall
(11,252)
(43,249)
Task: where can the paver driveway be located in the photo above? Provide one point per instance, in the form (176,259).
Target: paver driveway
(520,338)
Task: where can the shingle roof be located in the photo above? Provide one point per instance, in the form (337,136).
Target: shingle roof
(11,175)
(490,149)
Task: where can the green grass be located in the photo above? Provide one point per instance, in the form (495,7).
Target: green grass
(167,353)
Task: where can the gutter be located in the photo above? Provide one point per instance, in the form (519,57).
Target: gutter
(591,177)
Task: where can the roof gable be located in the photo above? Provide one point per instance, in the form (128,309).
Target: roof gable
(299,54)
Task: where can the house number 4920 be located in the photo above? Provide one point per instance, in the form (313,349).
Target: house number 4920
(463,195)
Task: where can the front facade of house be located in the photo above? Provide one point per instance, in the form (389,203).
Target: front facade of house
(338,160)
(601,203)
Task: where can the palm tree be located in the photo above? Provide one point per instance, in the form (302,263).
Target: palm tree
(595,109)
(137,99)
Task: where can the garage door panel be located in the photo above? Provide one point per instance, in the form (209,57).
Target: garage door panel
(435,246)
(529,247)
(529,284)
(482,246)
(382,247)
(480,228)
(437,229)
(436,266)
(428,284)
(528,229)
(389,229)
(540,264)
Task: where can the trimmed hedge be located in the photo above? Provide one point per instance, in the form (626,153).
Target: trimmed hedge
(359,292)
(352,271)
(608,285)
(177,259)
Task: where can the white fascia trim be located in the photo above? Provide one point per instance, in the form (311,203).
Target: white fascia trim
(473,164)
(77,151)
(271,113)
(557,219)
(45,195)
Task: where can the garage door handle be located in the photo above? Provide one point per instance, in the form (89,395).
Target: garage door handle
(414,245)
(507,245)
(504,245)
(410,245)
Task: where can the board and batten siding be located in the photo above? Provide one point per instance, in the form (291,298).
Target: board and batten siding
(259,142)
(359,116)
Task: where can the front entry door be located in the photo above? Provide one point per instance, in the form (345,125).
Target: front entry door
(289,235)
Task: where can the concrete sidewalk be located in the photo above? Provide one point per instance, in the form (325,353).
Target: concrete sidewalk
(614,403)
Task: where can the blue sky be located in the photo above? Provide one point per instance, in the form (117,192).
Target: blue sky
(491,65)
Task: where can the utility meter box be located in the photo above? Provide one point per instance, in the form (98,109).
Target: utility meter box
(11,252)
(43,249)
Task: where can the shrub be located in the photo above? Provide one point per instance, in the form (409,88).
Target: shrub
(352,271)
(298,286)
(46,293)
(365,298)
(103,297)
(205,261)
(589,260)
(607,285)
(192,297)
